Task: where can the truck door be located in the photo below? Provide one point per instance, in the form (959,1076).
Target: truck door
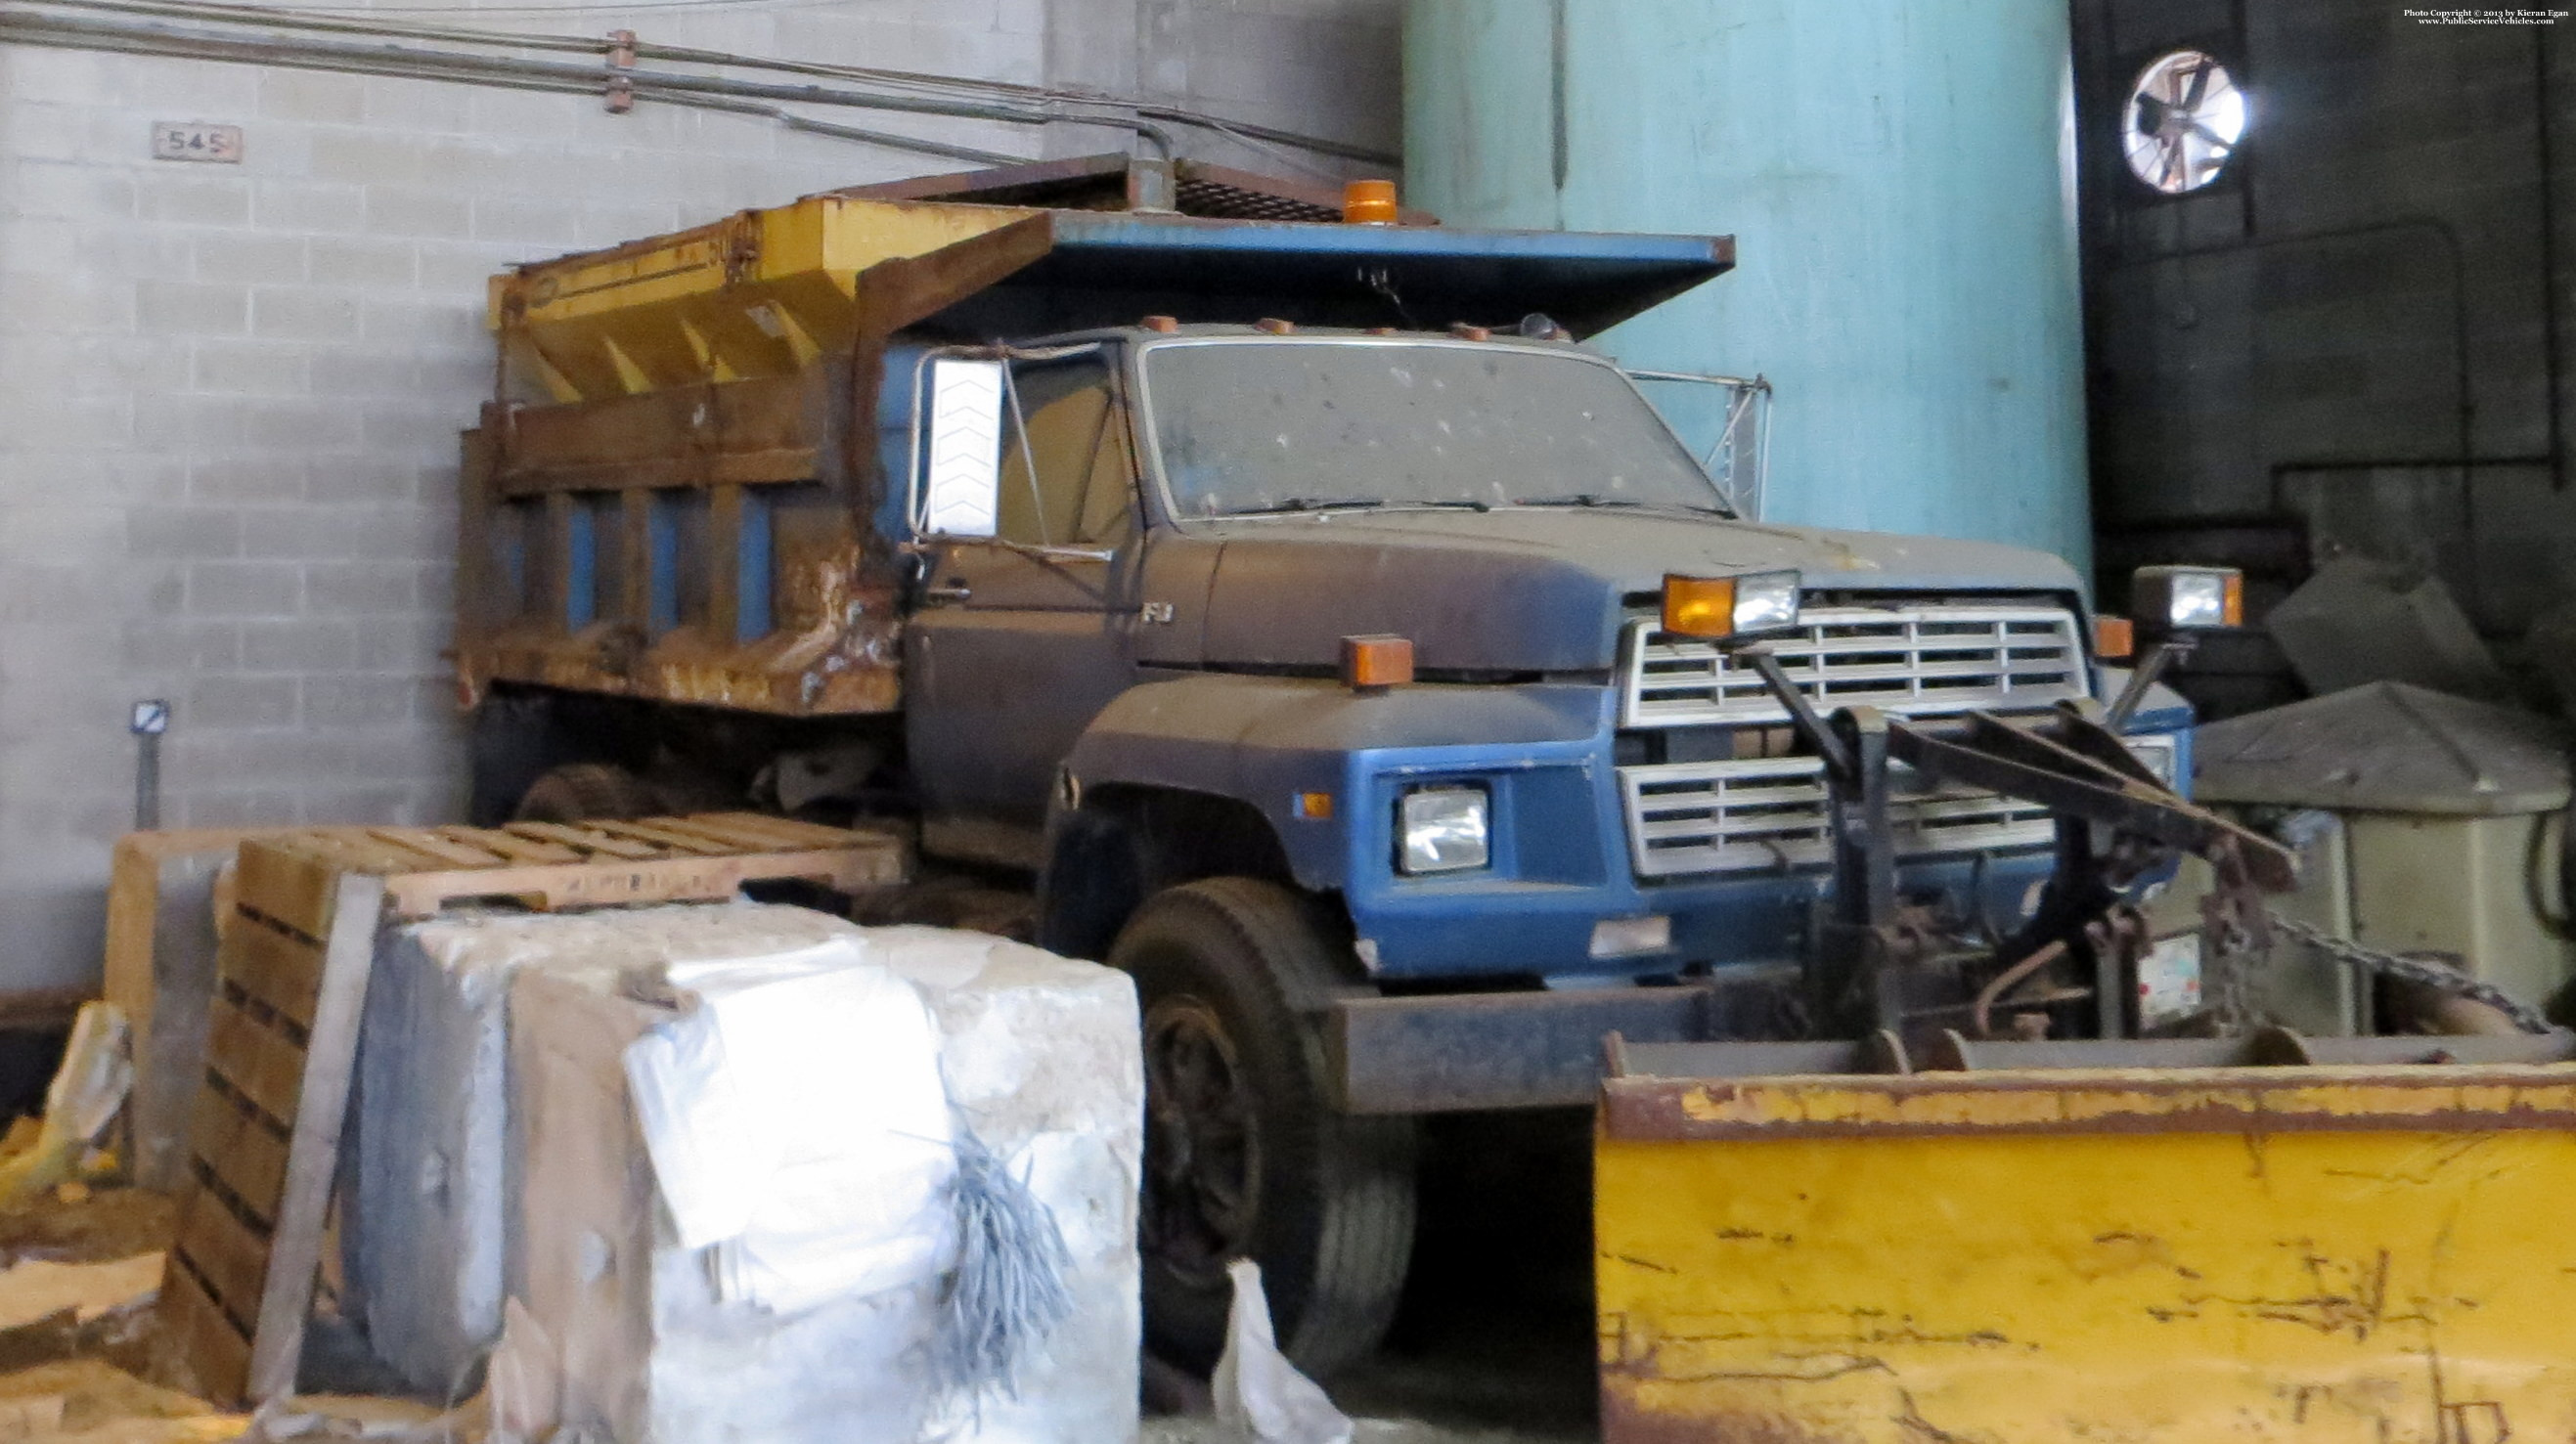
(1022,638)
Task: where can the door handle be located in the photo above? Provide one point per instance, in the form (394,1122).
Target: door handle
(953,591)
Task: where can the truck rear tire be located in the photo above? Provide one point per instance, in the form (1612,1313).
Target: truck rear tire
(587,792)
(1245,1153)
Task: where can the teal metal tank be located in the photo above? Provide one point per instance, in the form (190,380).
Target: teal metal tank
(1899,177)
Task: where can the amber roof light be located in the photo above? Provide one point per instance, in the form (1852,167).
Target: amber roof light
(1369,203)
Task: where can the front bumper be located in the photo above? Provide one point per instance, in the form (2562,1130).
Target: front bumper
(1468,1051)
(1489,927)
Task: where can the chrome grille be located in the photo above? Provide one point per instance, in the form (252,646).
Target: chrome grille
(1772,812)
(1911,661)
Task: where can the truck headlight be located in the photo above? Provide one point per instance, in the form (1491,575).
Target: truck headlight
(2187,599)
(1442,829)
(1714,607)
(2158,753)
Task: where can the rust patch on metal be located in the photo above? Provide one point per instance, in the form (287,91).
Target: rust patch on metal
(698,434)
(2254,1101)
(1626,1420)
(837,650)
(901,290)
(1916,1426)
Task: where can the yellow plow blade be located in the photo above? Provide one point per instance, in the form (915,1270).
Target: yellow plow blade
(2374,1254)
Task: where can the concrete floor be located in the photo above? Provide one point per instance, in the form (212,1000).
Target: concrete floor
(1494,1344)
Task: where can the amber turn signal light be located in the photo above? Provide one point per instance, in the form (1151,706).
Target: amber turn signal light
(2114,638)
(1373,664)
(1699,606)
(1712,608)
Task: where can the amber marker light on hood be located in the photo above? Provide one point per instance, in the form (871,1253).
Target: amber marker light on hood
(1716,607)
(2114,638)
(1373,664)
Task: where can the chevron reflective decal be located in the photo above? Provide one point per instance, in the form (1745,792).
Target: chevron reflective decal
(963,481)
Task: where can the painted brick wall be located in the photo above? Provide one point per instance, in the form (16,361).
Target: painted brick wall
(229,394)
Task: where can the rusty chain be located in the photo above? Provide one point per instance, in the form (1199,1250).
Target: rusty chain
(2235,929)
(2229,983)
(2238,928)
(2418,971)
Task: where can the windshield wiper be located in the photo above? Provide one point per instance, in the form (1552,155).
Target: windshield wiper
(1300,503)
(1580,498)
(1591,498)
(1359,503)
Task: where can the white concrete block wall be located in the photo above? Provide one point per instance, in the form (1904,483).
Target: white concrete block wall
(229,394)
(1320,67)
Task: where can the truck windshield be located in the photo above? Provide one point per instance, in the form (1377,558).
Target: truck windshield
(1279,426)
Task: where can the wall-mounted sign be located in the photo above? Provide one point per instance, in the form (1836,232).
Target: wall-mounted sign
(186,140)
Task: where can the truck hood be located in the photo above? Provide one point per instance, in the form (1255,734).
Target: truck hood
(1537,590)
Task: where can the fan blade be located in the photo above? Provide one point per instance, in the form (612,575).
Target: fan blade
(2199,83)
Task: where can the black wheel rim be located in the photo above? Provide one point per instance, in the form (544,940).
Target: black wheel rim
(1202,1145)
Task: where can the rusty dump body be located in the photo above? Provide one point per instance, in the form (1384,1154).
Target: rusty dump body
(689,484)
(2111,1241)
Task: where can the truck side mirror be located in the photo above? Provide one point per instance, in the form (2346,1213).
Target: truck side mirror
(962,474)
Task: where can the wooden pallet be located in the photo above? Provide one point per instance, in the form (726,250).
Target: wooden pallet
(162,911)
(291,978)
(552,866)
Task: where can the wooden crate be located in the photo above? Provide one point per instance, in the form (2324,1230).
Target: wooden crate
(291,980)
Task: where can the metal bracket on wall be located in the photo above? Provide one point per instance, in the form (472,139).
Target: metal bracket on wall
(150,719)
(620,96)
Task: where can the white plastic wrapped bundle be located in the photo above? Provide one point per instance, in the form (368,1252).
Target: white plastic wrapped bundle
(795,1323)
(427,1244)
(643,1350)
(798,1204)
(1043,1059)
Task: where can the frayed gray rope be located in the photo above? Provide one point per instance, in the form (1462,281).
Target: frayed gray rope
(1008,1293)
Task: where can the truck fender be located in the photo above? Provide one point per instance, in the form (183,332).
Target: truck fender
(1273,743)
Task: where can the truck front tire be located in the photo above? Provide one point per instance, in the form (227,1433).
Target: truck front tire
(1245,1153)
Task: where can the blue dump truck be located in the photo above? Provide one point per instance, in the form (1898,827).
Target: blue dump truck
(1323,636)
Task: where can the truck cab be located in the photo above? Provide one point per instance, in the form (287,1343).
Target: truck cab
(1200,519)
(1339,647)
